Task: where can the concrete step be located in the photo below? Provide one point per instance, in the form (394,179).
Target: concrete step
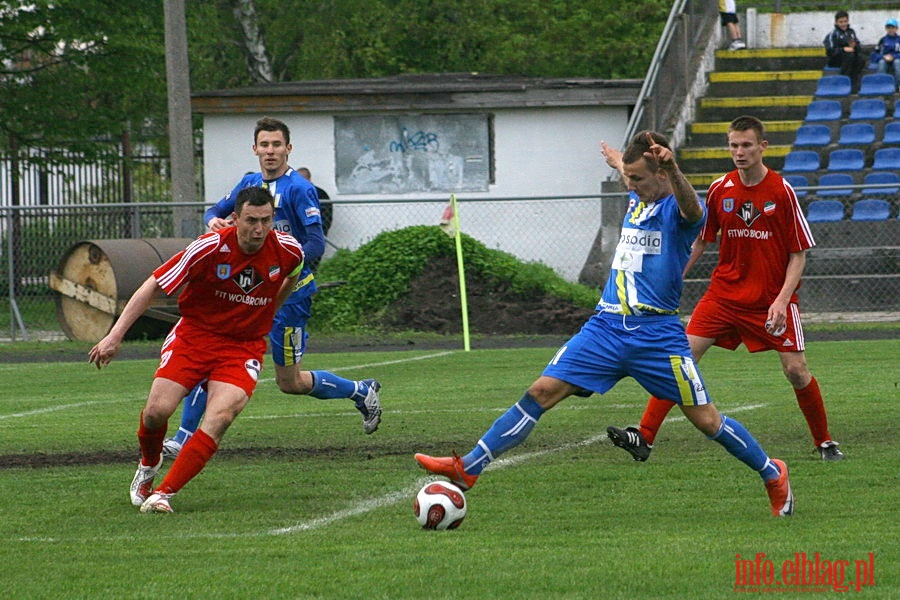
(716,132)
(707,160)
(771,59)
(761,83)
(767,108)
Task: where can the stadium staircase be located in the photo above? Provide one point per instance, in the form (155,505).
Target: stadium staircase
(856,264)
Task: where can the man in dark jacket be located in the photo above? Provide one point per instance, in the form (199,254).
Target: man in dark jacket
(844,49)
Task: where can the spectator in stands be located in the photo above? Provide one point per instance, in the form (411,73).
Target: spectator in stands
(887,51)
(752,295)
(844,49)
(324,201)
(729,19)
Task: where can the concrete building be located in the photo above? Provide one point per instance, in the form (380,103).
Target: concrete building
(391,151)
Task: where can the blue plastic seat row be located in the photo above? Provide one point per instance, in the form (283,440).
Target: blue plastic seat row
(823,211)
(863,109)
(872,84)
(844,159)
(882,178)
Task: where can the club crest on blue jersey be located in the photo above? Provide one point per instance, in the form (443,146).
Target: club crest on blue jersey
(728,204)
(223,271)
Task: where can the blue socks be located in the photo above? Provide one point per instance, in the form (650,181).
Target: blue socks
(738,441)
(325,386)
(191,413)
(508,431)
(328,385)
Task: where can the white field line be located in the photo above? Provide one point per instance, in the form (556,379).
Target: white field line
(49,409)
(366,506)
(403,494)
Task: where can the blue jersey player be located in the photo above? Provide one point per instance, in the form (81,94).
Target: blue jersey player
(635,332)
(297,213)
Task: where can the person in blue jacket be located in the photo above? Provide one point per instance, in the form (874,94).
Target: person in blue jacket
(887,51)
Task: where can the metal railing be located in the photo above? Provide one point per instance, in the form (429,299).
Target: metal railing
(673,68)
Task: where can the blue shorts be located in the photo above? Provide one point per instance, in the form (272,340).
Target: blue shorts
(652,349)
(288,335)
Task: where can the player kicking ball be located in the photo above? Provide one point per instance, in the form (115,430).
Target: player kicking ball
(635,332)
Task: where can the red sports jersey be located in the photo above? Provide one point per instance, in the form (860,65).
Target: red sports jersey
(229,292)
(760,226)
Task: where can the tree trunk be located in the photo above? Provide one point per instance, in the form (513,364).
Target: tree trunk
(258,63)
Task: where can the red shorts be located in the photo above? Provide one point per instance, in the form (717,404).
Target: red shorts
(730,325)
(191,355)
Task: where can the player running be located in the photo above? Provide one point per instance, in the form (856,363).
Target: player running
(233,281)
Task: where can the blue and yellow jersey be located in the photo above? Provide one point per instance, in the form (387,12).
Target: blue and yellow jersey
(654,247)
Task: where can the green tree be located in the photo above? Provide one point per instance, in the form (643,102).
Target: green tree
(78,70)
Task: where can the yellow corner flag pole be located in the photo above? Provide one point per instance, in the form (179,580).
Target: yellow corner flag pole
(463,302)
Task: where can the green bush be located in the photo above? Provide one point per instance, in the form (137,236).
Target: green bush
(381,271)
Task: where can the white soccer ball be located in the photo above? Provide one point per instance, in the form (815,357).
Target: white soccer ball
(440,505)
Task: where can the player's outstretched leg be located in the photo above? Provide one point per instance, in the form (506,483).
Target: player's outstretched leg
(508,431)
(743,446)
(191,413)
(366,395)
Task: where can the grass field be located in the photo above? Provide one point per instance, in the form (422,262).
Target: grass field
(299,503)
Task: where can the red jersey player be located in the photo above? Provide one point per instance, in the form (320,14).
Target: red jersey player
(752,296)
(234,280)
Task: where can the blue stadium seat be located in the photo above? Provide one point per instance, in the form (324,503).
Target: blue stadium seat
(871,210)
(846,159)
(877,84)
(813,135)
(891,133)
(829,179)
(868,109)
(798,161)
(887,159)
(833,86)
(881,177)
(798,181)
(857,134)
(824,211)
(824,110)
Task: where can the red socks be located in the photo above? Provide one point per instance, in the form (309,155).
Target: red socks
(813,408)
(193,457)
(653,417)
(151,442)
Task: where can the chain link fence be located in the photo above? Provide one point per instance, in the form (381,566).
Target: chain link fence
(854,269)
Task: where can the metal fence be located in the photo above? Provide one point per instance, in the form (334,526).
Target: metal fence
(854,268)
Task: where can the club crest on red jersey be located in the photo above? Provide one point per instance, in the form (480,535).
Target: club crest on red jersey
(728,204)
(223,271)
(248,280)
(274,271)
(769,208)
(748,213)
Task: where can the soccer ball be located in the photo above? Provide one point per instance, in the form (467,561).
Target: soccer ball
(440,505)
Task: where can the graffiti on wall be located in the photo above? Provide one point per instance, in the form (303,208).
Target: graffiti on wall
(412,153)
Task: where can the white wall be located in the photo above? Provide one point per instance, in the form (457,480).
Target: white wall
(538,152)
(800,30)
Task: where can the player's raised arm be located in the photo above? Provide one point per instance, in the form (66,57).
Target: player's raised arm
(685,194)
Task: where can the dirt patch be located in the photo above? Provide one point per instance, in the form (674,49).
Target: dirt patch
(432,305)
